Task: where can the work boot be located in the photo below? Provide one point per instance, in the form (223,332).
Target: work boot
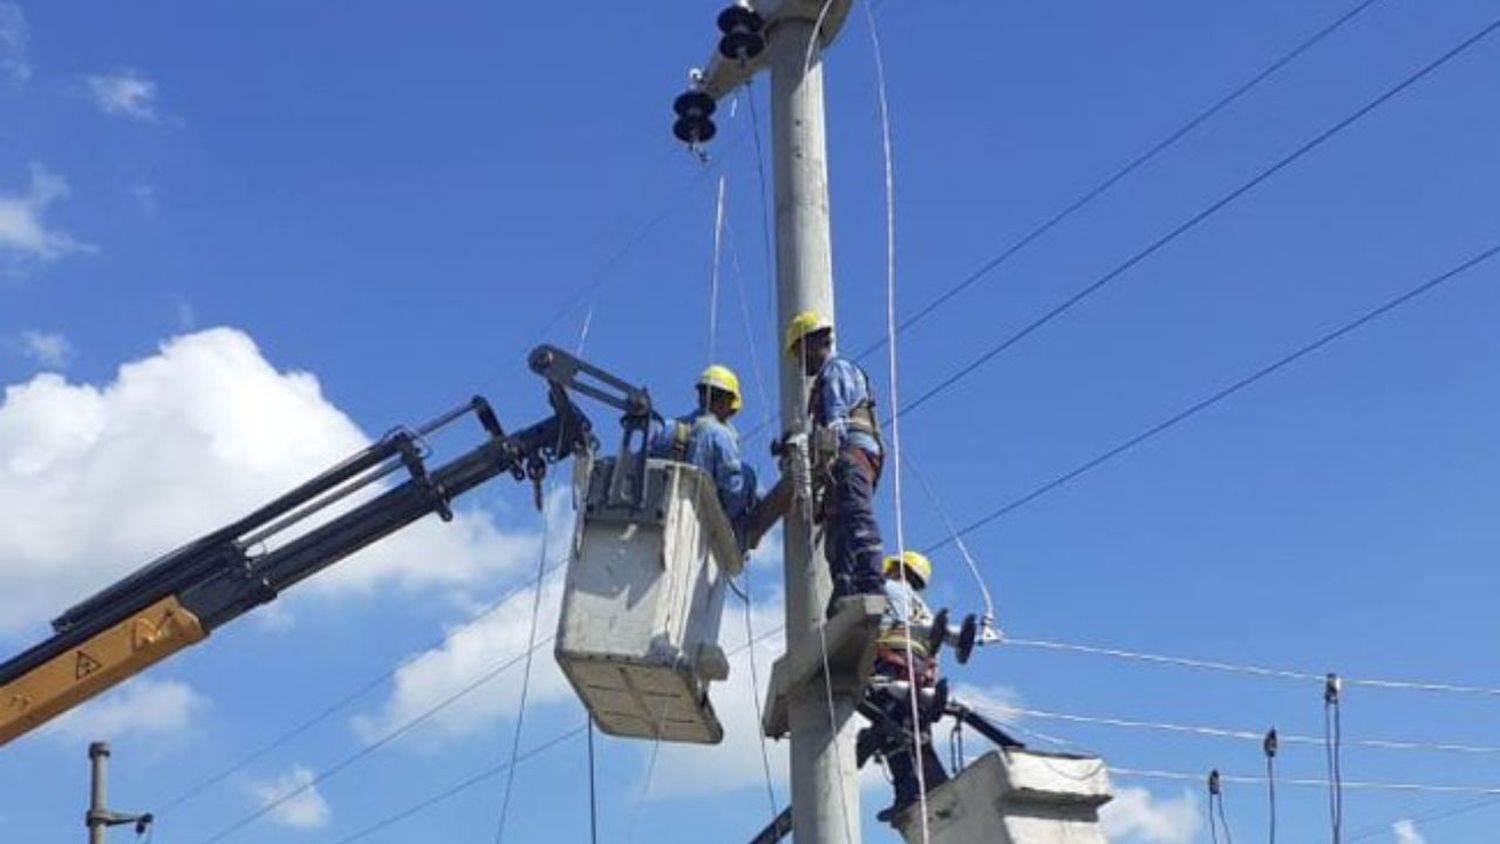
(895,810)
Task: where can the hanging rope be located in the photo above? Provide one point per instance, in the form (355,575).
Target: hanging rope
(593,791)
(713,275)
(515,742)
(958,540)
(883,100)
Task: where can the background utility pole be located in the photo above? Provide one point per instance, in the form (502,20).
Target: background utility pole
(825,784)
(99,817)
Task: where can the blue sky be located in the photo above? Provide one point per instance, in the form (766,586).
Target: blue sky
(295,226)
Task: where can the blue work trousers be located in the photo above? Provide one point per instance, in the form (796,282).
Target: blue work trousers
(852,542)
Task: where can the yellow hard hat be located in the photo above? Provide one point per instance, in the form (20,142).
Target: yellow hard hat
(917,565)
(804,324)
(723,378)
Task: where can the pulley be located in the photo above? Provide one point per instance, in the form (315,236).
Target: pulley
(694,118)
(743,39)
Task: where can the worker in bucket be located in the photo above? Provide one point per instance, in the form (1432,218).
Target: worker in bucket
(901,657)
(706,439)
(845,454)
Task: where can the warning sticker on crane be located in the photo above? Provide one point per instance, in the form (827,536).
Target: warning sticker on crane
(85,666)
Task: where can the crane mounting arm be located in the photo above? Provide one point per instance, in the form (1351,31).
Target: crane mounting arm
(181,597)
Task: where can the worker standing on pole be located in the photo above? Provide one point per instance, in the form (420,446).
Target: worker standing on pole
(846,454)
(707,439)
(901,656)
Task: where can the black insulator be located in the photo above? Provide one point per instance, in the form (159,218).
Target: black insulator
(967,635)
(938,633)
(741,46)
(694,104)
(742,28)
(740,19)
(694,130)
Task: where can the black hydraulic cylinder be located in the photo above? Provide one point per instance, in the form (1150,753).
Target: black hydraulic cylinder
(232,592)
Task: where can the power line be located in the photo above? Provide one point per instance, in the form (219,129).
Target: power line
(373,747)
(1095,192)
(460,787)
(601,275)
(337,706)
(1363,785)
(1252,670)
(1200,406)
(1247,735)
(1193,221)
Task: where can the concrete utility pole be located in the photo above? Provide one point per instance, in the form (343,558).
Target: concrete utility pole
(100,818)
(825,792)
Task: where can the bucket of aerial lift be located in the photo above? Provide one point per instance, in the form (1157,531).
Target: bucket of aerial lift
(1016,796)
(638,634)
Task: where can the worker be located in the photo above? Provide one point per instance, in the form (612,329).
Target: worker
(904,633)
(846,454)
(706,439)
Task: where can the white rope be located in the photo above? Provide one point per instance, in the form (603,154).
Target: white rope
(815,40)
(1422,788)
(713,276)
(1253,670)
(958,540)
(515,743)
(918,759)
(755,362)
(1244,735)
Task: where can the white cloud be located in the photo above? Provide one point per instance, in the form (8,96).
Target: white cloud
(300,804)
(97,480)
(48,348)
(1139,817)
(142,707)
(125,94)
(1406,833)
(15,38)
(24,236)
(475,649)
(691,770)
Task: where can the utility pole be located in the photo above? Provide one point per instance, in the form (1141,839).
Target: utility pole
(815,707)
(100,818)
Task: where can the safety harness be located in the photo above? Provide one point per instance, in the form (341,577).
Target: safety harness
(862,416)
(682,439)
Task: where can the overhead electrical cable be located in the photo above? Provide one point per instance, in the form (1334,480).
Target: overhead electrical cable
(531,646)
(1249,735)
(1204,404)
(1099,189)
(373,747)
(589,289)
(1307,782)
(1195,220)
(336,706)
(1252,670)
(460,787)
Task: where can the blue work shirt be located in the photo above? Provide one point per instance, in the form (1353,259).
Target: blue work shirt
(714,447)
(842,386)
(906,619)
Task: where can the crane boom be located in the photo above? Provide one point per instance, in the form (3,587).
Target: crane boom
(180,598)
